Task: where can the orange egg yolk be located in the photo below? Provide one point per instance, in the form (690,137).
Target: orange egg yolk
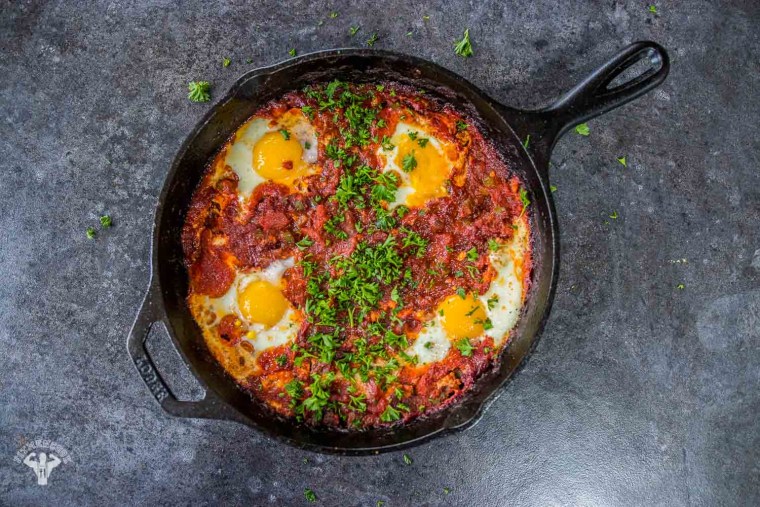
(462,317)
(279,159)
(429,173)
(263,303)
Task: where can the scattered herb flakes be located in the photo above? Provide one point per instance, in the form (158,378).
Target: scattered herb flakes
(446,491)
(679,261)
(407,459)
(552,188)
(226,62)
(461,293)
(680,286)
(199,91)
(526,142)
(334,14)
(425,18)
(285,134)
(292,52)
(249,60)
(371,41)
(90,233)
(614,215)
(652,8)
(461,126)
(105,221)
(622,161)
(463,47)
(379,503)
(582,129)
(493,245)
(408,34)
(309,495)
(352,30)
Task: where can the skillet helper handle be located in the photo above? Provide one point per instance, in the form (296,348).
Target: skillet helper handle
(593,96)
(149,315)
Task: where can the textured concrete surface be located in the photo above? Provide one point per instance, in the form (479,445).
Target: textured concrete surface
(640,393)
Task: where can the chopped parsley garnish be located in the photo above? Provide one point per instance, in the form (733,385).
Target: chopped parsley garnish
(407,459)
(680,286)
(386,143)
(285,134)
(308,111)
(412,135)
(472,254)
(526,142)
(582,129)
(493,245)
(463,47)
(429,345)
(652,8)
(423,141)
(614,215)
(390,414)
(105,221)
(226,62)
(552,188)
(352,30)
(461,126)
(491,302)
(409,162)
(90,233)
(292,52)
(371,41)
(622,161)
(309,495)
(465,347)
(461,293)
(524,200)
(199,91)
(333,15)
(305,243)
(281,360)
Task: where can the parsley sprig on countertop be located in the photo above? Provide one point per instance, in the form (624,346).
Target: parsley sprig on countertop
(199,91)
(463,47)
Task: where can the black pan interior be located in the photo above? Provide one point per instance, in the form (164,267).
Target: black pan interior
(244,99)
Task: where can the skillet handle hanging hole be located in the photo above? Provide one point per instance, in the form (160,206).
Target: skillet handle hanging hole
(631,73)
(148,316)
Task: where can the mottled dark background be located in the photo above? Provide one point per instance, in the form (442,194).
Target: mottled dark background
(640,393)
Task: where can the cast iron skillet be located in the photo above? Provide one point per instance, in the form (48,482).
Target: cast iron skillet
(505,126)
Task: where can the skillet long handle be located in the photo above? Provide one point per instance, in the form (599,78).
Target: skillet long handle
(149,315)
(593,96)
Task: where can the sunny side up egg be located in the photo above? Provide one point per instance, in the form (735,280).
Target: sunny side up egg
(255,298)
(464,317)
(423,162)
(283,150)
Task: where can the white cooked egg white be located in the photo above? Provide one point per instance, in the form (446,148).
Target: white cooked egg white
(432,168)
(265,329)
(261,146)
(505,293)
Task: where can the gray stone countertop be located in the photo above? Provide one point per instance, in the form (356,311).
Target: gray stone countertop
(640,392)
